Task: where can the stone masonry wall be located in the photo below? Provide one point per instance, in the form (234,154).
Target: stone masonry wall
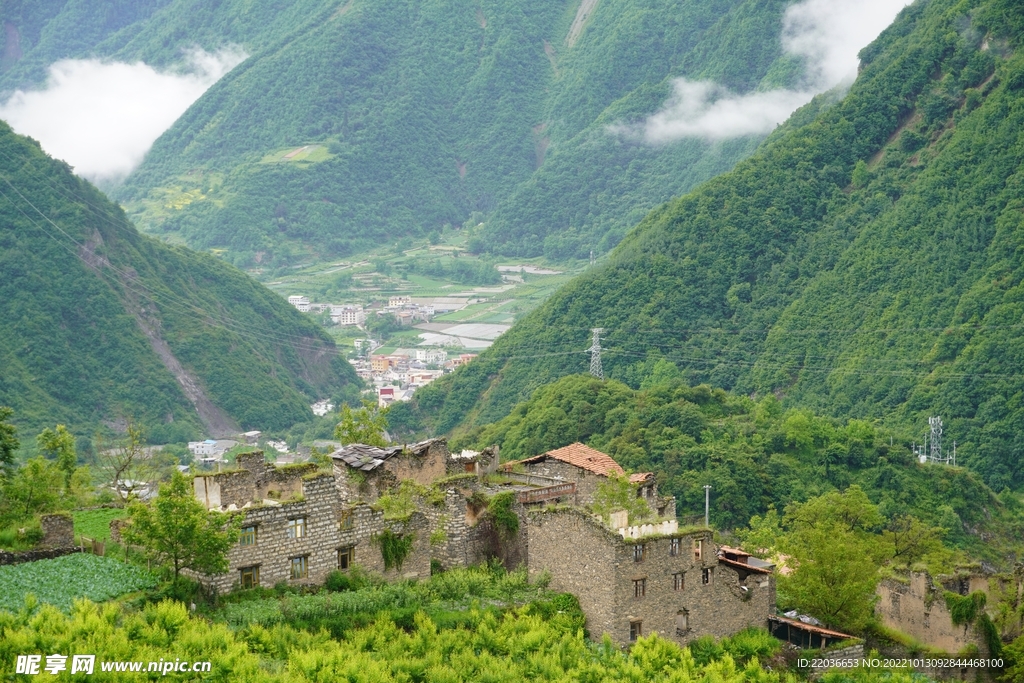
(580,557)
(586,481)
(58,531)
(918,609)
(329,527)
(423,469)
(600,570)
(255,480)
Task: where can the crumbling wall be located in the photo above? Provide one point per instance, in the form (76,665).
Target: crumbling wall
(330,526)
(58,531)
(422,465)
(916,606)
(586,481)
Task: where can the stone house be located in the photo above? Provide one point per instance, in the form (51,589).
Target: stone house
(674,585)
(298,528)
(587,468)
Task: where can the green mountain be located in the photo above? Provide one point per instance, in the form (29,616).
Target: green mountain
(100,322)
(866,264)
(355,122)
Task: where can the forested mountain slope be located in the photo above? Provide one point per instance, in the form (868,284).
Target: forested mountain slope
(407,116)
(100,322)
(867,264)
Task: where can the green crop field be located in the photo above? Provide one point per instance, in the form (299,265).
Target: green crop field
(96,523)
(62,580)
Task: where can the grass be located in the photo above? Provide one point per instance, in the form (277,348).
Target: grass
(60,581)
(308,153)
(96,523)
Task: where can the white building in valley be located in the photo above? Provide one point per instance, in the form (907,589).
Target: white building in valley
(299,302)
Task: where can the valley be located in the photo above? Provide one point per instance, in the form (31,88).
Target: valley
(560,341)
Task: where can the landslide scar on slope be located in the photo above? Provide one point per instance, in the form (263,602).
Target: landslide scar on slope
(214,418)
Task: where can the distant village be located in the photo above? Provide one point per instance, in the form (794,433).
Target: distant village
(396,375)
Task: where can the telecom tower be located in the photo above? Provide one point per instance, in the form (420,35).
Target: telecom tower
(931,449)
(595,354)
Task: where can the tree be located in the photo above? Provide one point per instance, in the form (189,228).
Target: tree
(59,445)
(618,493)
(367,425)
(850,510)
(126,466)
(9,443)
(834,577)
(910,539)
(33,488)
(177,531)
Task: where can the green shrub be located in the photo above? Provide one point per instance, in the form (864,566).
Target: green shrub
(394,548)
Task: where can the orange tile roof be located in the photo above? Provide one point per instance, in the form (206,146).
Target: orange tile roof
(589,459)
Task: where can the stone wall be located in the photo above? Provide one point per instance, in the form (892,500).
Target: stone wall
(917,607)
(116,527)
(600,568)
(58,531)
(330,525)
(580,557)
(586,481)
(423,467)
(254,481)
(33,555)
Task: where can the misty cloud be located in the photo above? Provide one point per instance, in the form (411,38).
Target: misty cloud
(827,34)
(102,117)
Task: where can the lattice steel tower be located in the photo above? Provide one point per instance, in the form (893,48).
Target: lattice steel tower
(935,439)
(595,354)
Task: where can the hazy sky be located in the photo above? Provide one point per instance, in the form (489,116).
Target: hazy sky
(827,33)
(102,117)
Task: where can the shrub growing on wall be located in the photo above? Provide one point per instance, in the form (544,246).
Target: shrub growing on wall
(394,548)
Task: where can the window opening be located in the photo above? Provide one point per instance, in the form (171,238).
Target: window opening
(345,520)
(249,577)
(682,622)
(247,536)
(300,567)
(297,527)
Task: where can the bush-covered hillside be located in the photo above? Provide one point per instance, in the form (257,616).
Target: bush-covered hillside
(101,322)
(406,116)
(864,265)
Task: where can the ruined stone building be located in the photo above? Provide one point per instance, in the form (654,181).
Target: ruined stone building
(298,528)
(636,579)
(587,468)
(915,604)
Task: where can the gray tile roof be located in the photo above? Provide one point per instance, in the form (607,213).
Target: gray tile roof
(363,457)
